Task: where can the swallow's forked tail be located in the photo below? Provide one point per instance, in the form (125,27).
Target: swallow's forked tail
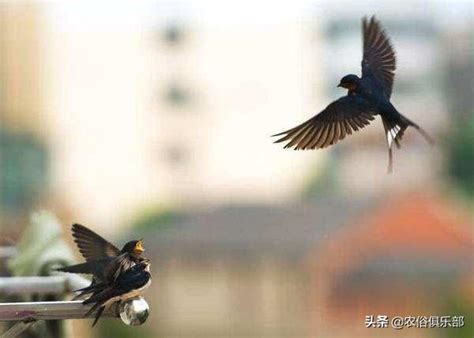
(98,314)
(98,308)
(423,133)
(394,131)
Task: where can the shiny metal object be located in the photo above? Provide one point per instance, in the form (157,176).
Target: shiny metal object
(134,311)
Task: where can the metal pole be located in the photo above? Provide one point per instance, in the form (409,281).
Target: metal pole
(30,311)
(18,329)
(41,285)
(134,311)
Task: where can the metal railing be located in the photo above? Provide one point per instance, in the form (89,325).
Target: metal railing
(27,314)
(56,285)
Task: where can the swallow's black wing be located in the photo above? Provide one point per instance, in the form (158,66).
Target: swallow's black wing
(104,270)
(91,245)
(379,56)
(95,268)
(348,113)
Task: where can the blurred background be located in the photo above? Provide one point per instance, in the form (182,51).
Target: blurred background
(153,120)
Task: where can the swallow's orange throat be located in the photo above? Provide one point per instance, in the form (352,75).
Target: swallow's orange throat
(352,87)
(139,249)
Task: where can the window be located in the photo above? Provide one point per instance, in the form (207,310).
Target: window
(176,95)
(173,34)
(175,155)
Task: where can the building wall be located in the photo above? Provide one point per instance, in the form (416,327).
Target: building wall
(21,67)
(137,120)
(23,152)
(230,296)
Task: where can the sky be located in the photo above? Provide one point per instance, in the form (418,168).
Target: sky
(139,15)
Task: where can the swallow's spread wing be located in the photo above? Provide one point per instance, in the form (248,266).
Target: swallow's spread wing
(95,268)
(348,113)
(103,270)
(379,56)
(91,245)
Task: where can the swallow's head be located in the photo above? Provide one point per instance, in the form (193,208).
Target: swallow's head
(350,82)
(134,248)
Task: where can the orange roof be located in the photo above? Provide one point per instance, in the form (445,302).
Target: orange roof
(414,224)
(405,223)
(420,222)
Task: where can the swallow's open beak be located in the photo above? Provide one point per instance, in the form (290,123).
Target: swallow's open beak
(139,249)
(339,85)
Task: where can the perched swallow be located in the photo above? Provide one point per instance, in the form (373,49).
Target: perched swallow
(130,283)
(103,259)
(366,97)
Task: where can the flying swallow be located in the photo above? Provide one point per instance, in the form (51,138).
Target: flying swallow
(103,259)
(367,96)
(130,283)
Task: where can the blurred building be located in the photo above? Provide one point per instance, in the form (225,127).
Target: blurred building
(410,256)
(241,270)
(309,270)
(176,112)
(105,112)
(180,113)
(24,162)
(221,93)
(21,67)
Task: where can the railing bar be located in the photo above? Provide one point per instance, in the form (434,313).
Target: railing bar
(22,311)
(41,285)
(18,329)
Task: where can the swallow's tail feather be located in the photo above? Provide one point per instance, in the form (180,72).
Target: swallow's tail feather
(98,308)
(72,269)
(98,314)
(93,288)
(92,309)
(394,131)
(423,133)
(80,294)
